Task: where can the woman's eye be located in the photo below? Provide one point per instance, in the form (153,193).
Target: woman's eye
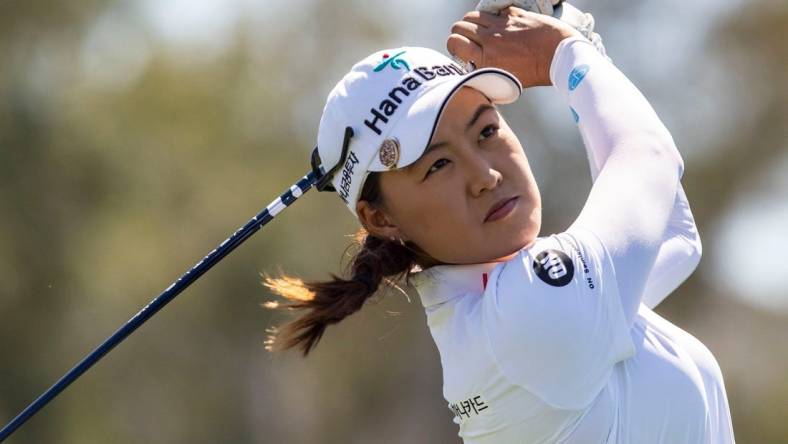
(438,162)
(488,131)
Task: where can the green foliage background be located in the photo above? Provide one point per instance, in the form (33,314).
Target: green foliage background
(127,154)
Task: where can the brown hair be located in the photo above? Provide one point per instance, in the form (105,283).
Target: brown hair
(327,302)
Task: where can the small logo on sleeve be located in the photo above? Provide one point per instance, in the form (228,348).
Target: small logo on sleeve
(586,270)
(554,268)
(576,76)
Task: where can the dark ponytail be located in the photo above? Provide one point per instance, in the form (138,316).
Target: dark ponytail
(327,302)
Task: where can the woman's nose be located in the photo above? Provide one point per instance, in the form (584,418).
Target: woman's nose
(482,175)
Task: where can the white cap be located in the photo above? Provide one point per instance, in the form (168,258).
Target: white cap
(392,101)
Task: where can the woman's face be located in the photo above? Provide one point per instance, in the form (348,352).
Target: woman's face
(440,202)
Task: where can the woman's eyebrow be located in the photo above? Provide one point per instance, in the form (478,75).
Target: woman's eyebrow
(482,108)
(476,114)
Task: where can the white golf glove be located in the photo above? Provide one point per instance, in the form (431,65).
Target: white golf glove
(582,21)
(539,6)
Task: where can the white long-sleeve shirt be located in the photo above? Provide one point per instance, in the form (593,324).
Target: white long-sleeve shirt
(559,344)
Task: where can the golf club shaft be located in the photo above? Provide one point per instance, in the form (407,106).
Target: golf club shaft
(243,233)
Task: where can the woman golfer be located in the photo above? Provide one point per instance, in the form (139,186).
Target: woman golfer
(542,339)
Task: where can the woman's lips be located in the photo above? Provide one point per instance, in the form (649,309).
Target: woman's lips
(503,210)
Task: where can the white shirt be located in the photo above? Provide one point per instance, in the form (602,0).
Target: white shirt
(526,361)
(559,344)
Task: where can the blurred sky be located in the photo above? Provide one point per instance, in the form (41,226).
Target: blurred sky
(117,48)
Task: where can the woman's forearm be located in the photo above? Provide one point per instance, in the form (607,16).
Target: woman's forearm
(680,250)
(678,255)
(611,109)
(638,165)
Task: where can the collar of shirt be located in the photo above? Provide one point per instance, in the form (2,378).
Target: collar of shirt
(443,282)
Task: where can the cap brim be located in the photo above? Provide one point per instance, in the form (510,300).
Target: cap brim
(415,129)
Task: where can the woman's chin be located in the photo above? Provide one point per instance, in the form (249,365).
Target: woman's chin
(506,258)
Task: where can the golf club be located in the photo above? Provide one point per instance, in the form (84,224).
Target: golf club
(317,178)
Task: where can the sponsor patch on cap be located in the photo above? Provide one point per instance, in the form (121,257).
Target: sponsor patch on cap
(389,153)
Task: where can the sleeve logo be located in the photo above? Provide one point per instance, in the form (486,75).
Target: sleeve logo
(554,268)
(577,75)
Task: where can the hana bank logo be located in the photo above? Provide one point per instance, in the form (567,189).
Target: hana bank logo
(393,61)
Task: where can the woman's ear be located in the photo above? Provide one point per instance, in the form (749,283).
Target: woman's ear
(376,221)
